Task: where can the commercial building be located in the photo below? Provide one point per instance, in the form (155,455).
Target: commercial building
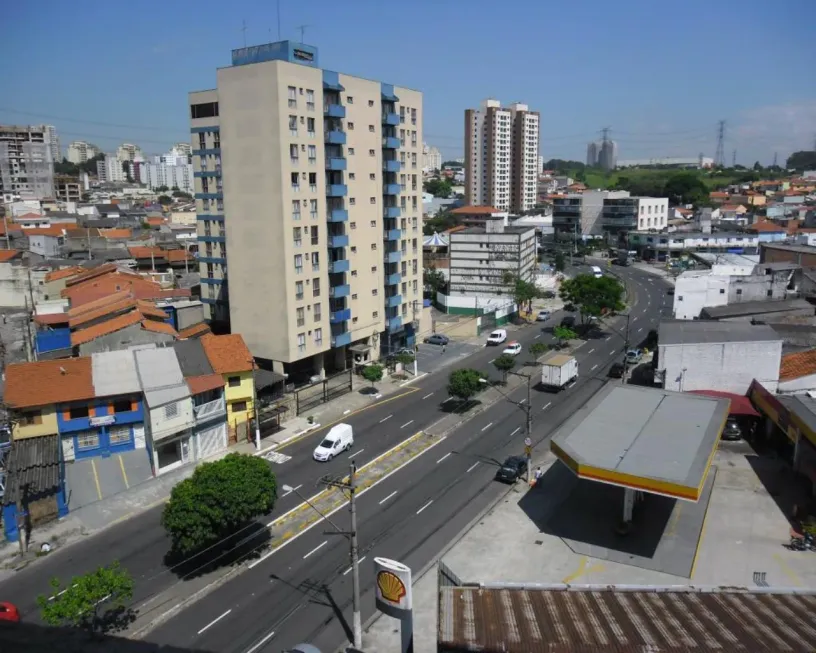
(333,162)
(110,170)
(482,257)
(431,158)
(623,214)
(501,156)
(155,175)
(26,163)
(661,246)
(582,213)
(80,151)
(678,161)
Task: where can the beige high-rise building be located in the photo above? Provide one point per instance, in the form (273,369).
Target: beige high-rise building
(501,156)
(309,201)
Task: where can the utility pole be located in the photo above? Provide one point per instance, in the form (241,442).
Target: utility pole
(257,414)
(351,488)
(528,442)
(719,157)
(244,29)
(775,159)
(734,159)
(625,349)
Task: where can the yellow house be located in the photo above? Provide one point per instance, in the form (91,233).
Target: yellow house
(230,357)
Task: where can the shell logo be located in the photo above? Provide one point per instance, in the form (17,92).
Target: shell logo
(391,587)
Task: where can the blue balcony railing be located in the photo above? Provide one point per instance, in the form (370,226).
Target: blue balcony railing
(334,110)
(393,324)
(391,189)
(393,300)
(340,316)
(336,137)
(390,118)
(212,151)
(212,259)
(339,266)
(392,212)
(207,173)
(391,142)
(336,190)
(393,234)
(339,291)
(338,215)
(393,279)
(339,241)
(335,163)
(341,339)
(391,166)
(209,196)
(393,257)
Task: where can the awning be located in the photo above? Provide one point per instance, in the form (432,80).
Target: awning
(436,240)
(360,348)
(33,468)
(740,405)
(266,379)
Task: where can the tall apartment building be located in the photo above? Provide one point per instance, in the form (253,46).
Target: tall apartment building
(308,193)
(602,154)
(129,152)
(179,175)
(26,165)
(431,158)
(110,169)
(80,151)
(501,156)
(52,138)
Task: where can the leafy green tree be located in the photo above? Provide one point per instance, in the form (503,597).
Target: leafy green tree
(564,334)
(592,296)
(65,167)
(504,364)
(560,262)
(182,195)
(373,373)
(218,499)
(90,165)
(538,349)
(438,187)
(433,280)
(78,604)
(405,358)
(523,291)
(126,166)
(164,200)
(464,384)
(452,164)
(685,188)
(162,189)
(802,160)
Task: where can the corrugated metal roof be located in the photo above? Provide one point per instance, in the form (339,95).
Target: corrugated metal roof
(757,308)
(683,332)
(513,619)
(160,375)
(33,467)
(114,373)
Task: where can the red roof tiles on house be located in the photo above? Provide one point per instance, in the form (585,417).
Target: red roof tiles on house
(475,210)
(63,273)
(113,234)
(50,319)
(765,226)
(204,383)
(48,382)
(797,365)
(81,336)
(147,252)
(159,327)
(7,255)
(228,353)
(195,330)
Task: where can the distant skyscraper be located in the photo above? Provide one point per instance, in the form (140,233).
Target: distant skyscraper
(129,152)
(26,165)
(52,138)
(608,155)
(431,158)
(592,154)
(501,156)
(80,151)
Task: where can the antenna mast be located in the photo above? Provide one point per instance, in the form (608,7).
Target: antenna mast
(719,157)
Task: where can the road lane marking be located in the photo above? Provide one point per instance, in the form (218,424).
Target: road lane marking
(216,620)
(591,350)
(295,489)
(316,549)
(593,367)
(640,329)
(612,353)
(406,424)
(537,337)
(491,361)
(487,427)
(357,453)
(547,406)
(262,642)
(523,400)
(427,395)
(516,431)
(443,457)
(385,418)
(425,506)
(608,338)
(472,467)
(344,573)
(446,400)
(388,497)
(96,479)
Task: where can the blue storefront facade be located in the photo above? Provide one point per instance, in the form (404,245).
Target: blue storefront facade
(101,427)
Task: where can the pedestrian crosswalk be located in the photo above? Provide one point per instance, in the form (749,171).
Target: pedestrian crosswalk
(276,457)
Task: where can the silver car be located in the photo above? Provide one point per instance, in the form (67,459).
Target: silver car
(543,316)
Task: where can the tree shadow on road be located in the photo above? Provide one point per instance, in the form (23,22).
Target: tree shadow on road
(459,407)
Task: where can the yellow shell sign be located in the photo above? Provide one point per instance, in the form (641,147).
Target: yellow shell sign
(391,587)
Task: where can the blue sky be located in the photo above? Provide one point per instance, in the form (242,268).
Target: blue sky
(659,74)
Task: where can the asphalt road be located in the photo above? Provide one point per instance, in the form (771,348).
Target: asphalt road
(302,592)
(301,595)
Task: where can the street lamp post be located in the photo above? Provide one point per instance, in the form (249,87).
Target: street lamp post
(527,407)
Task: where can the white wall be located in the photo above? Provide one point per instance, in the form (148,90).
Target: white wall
(653,212)
(694,291)
(162,427)
(798,386)
(729,367)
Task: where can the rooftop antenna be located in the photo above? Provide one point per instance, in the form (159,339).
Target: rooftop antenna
(775,159)
(719,157)
(302,29)
(244,29)
(279,32)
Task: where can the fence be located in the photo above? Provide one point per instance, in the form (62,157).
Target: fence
(322,391)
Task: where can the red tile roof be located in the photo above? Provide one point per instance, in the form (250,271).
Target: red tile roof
(179,256)
(110,309)
(92,274)
(204,383)
(796,365)
(30,216)
(7,255)
(196,330)
(63,273)
(115,233)
(475,210)
(766,226)
(147,252)
(716,194)
(49,319)
(81,336)
(49,382)
(227,353)
(54,231)
(99,303)
(159,327)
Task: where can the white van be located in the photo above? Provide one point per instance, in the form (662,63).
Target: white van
(497,337)
(339,439)
(596,272)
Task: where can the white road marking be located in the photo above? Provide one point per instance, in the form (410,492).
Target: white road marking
(357,453)
(593,367)
(388,497)
(634,319)
(406,424)
(612,353)
(215,621)
(285,494)
(491,361)
(385,418)
(425,506)
(608,338)
(537,337)
(344,573)
(640,329)
(262,642)
(591,350)
(547,406)
(523,400)
(487,427)
(427,395)
(443,457)
(516,431)
(447,400)
(276,457)
(472,467)
(316,549)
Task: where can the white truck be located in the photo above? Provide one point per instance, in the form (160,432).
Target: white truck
(558,371)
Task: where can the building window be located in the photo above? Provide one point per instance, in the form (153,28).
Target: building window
(350,126)
(413,116)
(354,296)
(739,291)
(298,290)
(374,292)
(314,234)
(31,417)
(373,200)
(352,176)
(238,406)
(317,313)
(301,342)
(316,287)
(121,434)
(315,262)
(312,154)
(372,153)
(296,231)
(87,440)
(722,291)
(295,209)
(310,127)
(293,153)
(351,151)
(292,97)
(313,182)
(318,336)
(298,263)
(293,125)
(301,316)
(373,223)
(78,412)
(352,201)
(371,103)
(234,381)
(310,99)
(372,176)
(371,128)
(295,179)
(349,99)
(122,406)
(373,246)
(375,314)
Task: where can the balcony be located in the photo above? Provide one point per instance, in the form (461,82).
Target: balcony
(336,137)
(390,118)
(339,291)
(341,265)
(207,173)
(209,196)
(393,300)
(391,143)
(335,163)
(209,410)
(393,279)
(566,219)
(336,190)
(391,166)
(391,189)
(340,316)
(338,215)
(392,234)
(392,212)
(393,324)
(334,110)
(212,259)
(341,340)
(392,257)
(340,240)
(619,222)
(212,151)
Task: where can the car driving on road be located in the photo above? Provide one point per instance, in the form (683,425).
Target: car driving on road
(437,339)
(513,349)
(633,356)
(512,469)
(543,315)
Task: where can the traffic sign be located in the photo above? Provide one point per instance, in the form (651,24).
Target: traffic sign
(528,442)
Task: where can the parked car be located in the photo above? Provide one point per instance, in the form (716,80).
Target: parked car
(514,349)
(568,321)
(616,371)
(633,356)
(543,315)
(497,337)
(512,469)
(732,430)
(437,339)
(9,612)
(339,439)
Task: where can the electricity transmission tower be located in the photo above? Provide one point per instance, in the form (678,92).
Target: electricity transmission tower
(719,157)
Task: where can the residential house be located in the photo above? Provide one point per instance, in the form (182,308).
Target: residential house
(767,231)
(32,221)
(127,330)
(169,408)
(46,241)
(54,282)
(19,282)
(229,356)
(195,331)
(149,258)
